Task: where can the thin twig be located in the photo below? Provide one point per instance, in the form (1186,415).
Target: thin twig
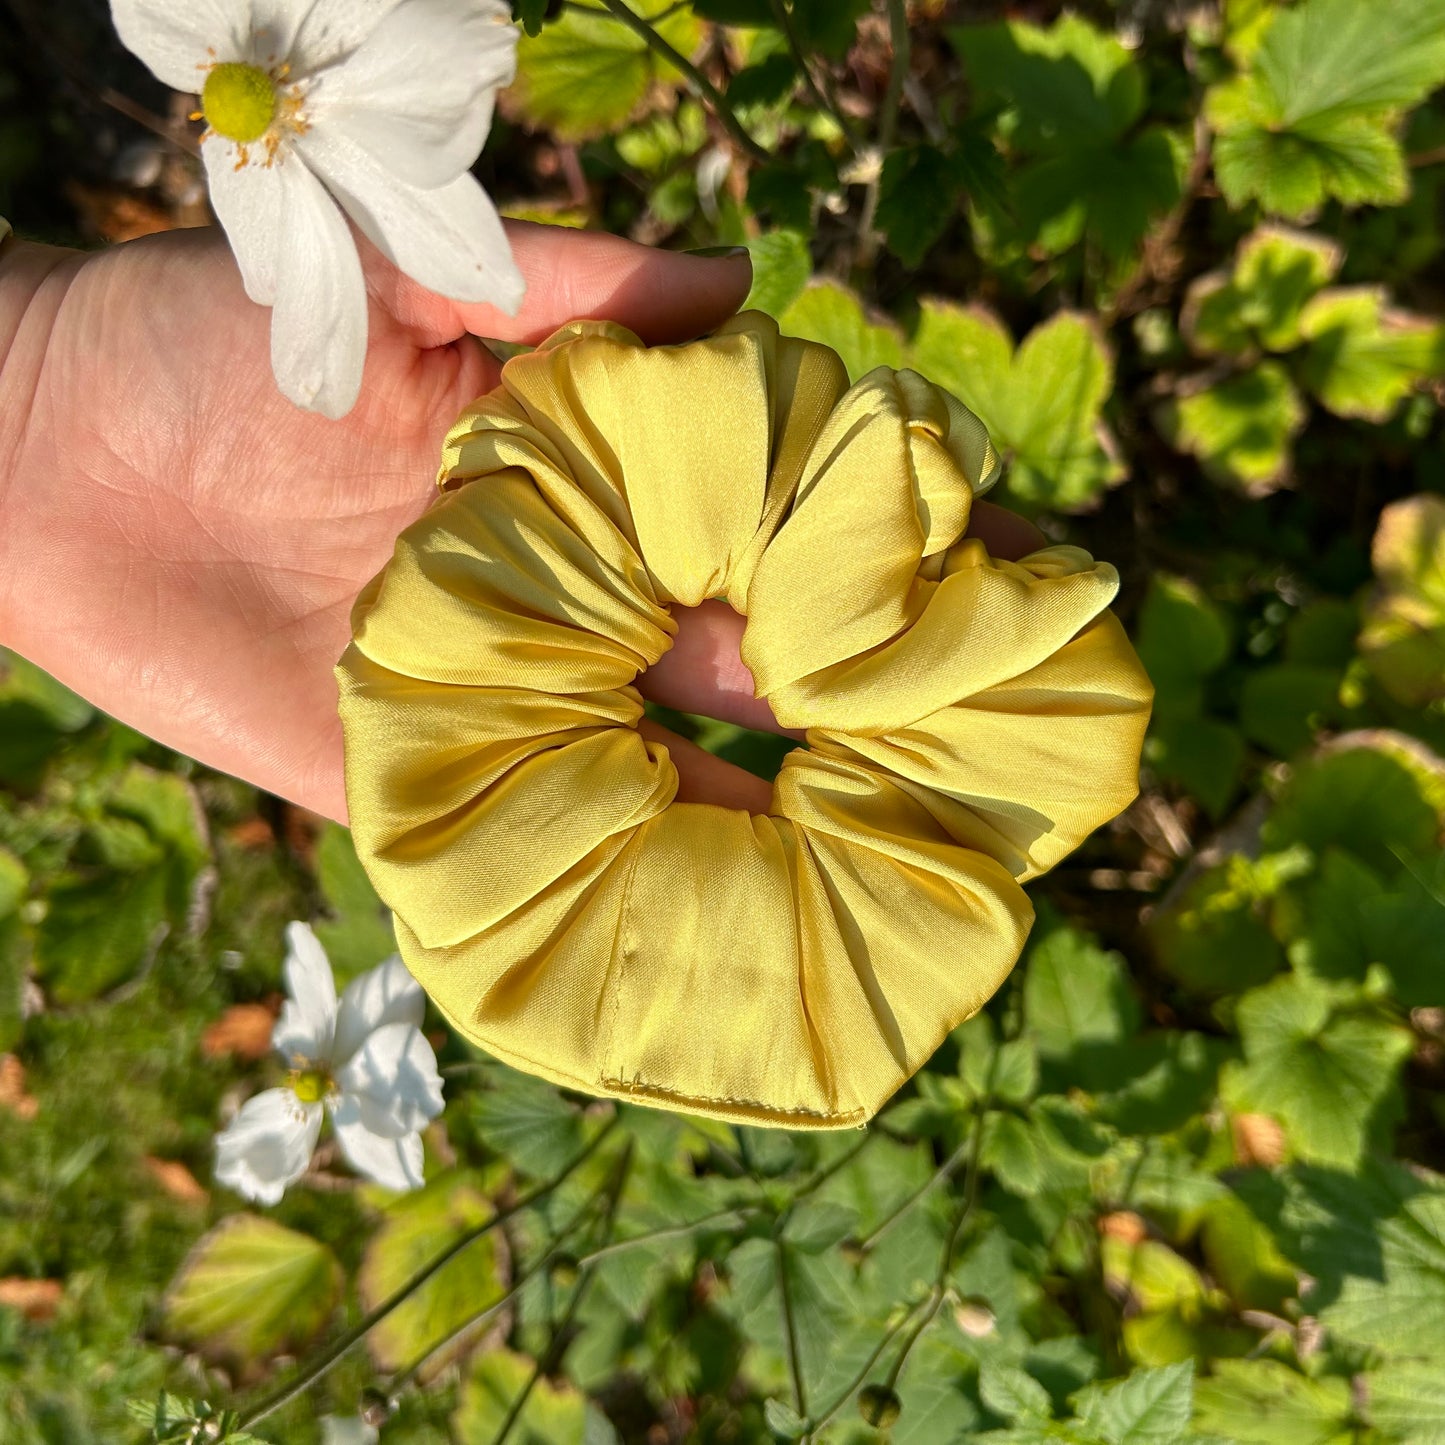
(943,1172)
(551,1357)
(828,101)
(868,239)
(848,1390)
(697,82)
(328,1357)
(790,1328)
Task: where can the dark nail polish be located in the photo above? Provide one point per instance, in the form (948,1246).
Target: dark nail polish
(717,252)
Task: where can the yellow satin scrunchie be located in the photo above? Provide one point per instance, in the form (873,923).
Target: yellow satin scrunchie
(969,721)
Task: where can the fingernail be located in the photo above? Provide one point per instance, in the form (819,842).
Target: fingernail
(717,252)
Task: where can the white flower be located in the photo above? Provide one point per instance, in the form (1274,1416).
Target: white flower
(363,1058)
(382,103)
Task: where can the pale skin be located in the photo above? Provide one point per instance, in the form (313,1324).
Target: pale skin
(181,545)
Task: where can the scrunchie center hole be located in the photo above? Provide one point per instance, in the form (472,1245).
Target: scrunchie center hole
(703,677)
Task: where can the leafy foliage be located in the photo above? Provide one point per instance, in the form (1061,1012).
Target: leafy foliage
(1183,1179)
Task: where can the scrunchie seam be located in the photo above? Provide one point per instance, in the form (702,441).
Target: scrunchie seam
(638,1086)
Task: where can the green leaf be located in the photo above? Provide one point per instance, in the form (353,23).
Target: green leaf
(359,933)
(1405,931)
(1042,404)
(1257,303)
(1243,1259)
(1077,1004)
(1068,83)
(1150,1407)
(1074,93)
(1283,707)
(1363,800)
(528,1123)
(918,195)
(1214,940)
(1323,919)
(1312,115)
(413,1231)
(1327,1075)
(250,1288)
(23,682)
(97,931)
(14,883)
(1362,360)
(1372,1243)
(1012,1394)
(585,74)
(1266,1401)
(832,314)
(783,1420)
(1203,755)
(555,1414)
(1159,1082)
(1404,633)
(1182,638)
(781,267)
(1239,428)
(531,14)
(1405,1400)
(1007,1072)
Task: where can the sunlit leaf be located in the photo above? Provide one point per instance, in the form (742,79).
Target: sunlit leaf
(1404,633)
(1327,1074)
(1257,302)
(1267,1402)
(250,1288)
(1312,114)
(586,73)
(1362,359)
(413,1231)
(1042,403)
(832,314)
(1239,428)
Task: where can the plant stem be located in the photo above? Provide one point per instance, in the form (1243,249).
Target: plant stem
(868,238)
(404,1377)
(790,1328)
(697,82)
(943,1172)
(828,102)
(551,1357)
(848,1390)
(329,1356)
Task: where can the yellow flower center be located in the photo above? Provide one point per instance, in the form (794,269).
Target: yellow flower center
(311,1086)
(239,101)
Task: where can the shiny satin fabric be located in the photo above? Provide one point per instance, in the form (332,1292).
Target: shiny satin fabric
(969,721)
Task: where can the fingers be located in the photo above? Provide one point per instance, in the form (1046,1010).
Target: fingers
(661,295)
(705,778)
(1006,534)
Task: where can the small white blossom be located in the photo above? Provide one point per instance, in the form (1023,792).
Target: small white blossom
(363,1058)
(378,105)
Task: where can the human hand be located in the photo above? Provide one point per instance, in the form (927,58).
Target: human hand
(182,546)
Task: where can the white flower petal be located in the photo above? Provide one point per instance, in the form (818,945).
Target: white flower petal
(248,205)
(418,93)
(318,324)
(274,24)
(177,42)
(393,1077)
(267,1145)
(307,1026)
(347,1430)
(332,29)
(386,994)
(449,239)
(393,1163)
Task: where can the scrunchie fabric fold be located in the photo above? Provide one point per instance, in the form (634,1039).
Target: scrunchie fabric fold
(969,720)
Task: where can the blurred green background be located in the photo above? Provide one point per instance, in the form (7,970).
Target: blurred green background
(1180,1180)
